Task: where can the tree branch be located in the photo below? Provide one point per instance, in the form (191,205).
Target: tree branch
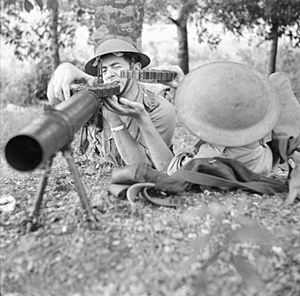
(173,21)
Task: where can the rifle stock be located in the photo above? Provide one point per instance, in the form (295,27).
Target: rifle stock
(51,132)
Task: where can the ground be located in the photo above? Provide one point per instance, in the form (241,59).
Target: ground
(213,243)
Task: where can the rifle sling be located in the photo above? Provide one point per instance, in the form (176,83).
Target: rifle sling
(214,181)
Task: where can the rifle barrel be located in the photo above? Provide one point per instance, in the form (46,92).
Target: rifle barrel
(50,132)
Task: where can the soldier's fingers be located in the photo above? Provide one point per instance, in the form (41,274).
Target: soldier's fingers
(50,92)
(106,105)
(66,90)
(116,107)
(90,80)
(109,107)
(53,100)
(125,102)
(58,93)
(112,101)
(107,102)
(129,104)
(173,84)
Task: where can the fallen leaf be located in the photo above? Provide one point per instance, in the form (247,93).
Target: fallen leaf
(249,274)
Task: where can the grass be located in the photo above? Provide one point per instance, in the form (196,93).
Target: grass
(13,121)
(214,243)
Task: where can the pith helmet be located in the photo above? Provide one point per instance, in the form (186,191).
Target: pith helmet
(227,103)
(116,45)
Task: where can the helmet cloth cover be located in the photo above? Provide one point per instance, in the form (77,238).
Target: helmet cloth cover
(227,103)
(115,46)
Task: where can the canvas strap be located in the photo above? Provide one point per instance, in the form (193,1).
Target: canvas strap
(226,184)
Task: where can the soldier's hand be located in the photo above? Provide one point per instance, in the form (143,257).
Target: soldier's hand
(59,86)
(173,68)
(124,107)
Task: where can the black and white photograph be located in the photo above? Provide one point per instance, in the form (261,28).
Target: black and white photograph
(150,148)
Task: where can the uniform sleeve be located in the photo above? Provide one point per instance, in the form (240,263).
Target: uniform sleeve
(164,119)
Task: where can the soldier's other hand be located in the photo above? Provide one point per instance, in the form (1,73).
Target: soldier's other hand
(124,107)
(59,85)
(173,68)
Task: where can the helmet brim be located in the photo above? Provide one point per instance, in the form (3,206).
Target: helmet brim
(205,98)
(138,57)
(116,46)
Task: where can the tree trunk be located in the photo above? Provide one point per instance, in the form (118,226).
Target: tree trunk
(274,46)
(183,54)
(182,34)
(123,18)
(54,40)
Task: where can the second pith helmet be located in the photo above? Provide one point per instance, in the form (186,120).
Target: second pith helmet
(227,103)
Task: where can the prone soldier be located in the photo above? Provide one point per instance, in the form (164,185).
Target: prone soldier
(137,120)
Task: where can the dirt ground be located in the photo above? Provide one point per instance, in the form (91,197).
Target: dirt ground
(213,243)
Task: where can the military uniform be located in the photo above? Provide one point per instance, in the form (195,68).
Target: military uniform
(162,114)
(257,157)
(237,114)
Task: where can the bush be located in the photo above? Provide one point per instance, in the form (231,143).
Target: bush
(26,86)
(11,122)
(288,61)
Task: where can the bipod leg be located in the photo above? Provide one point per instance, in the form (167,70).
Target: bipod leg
(32,222)
(80,188)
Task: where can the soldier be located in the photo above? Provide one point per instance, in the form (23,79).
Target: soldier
(137,121)
(234,111)
(240,114)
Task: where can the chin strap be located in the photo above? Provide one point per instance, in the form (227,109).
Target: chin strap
(127,82)
(124,88)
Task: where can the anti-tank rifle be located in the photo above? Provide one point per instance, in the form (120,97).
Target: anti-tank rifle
(36,145)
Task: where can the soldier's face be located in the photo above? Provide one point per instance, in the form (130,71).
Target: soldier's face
(112,66)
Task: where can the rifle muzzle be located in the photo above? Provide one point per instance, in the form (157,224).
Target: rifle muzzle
(50,132)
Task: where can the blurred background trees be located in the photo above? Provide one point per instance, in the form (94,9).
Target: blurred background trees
(181,13)
(39,34)
(269,19)
(50,26)
(38,31)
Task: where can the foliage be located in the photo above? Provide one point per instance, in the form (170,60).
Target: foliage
(31,34)
(14,120)
(261,15)
(180,13)
(26,87)
(152,251)
(28,84)
(288,60)
(210,245)
(245,230)
(270,19)
(168,11)
(30,28)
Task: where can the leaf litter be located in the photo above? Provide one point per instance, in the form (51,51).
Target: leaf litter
(212,243)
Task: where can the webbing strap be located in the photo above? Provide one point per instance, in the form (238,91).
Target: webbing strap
(214,181)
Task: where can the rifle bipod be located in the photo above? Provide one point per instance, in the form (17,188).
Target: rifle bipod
(31,222)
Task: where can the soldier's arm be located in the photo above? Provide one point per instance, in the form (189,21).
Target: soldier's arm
(159,151)
(59,85)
